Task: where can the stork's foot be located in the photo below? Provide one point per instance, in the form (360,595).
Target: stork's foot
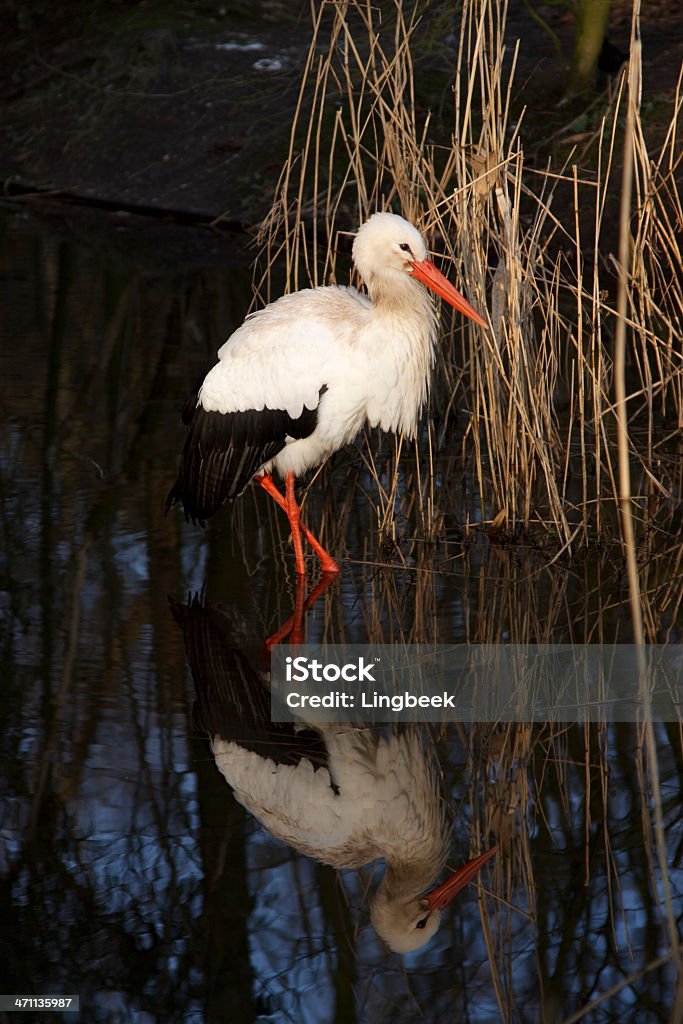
(288,502)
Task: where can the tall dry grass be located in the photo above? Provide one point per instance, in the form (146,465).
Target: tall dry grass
(526,409)
(562,420)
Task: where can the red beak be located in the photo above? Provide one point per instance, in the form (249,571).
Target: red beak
(440,897)
(427,273)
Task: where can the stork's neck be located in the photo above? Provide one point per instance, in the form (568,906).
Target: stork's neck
(399,338)
(410,303)
(403,881)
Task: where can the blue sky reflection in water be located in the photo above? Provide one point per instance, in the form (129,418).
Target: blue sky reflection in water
(128,871)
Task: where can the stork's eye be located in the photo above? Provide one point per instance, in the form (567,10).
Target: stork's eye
(405,247)
(423,922)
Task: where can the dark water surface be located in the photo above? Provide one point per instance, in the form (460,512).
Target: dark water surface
(128,872)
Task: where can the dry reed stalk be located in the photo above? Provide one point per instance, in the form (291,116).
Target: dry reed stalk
(628,261)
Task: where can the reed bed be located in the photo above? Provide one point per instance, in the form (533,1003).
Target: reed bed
(560,424)
(576,891)
(526,409)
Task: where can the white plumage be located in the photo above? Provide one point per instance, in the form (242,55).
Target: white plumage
(300,378)
(378,797)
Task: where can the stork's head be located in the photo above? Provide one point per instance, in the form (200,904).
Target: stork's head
(387,249)
(385,246)
(407,923)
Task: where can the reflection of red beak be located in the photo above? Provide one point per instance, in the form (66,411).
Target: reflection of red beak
(428,275)
(440,897)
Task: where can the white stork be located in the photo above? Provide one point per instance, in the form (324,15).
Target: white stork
(300,378)
(343,795)
(376,797)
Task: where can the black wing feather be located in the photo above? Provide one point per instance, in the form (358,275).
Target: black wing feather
(223,451)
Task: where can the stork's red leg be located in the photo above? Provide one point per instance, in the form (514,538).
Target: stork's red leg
(293,514)
(328,563)
(289,504)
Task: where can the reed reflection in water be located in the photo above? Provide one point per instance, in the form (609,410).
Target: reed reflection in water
(128,871)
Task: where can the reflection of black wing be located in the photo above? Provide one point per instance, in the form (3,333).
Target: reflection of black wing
(233,700)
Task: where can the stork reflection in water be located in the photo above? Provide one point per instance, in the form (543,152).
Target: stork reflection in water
(344,795)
